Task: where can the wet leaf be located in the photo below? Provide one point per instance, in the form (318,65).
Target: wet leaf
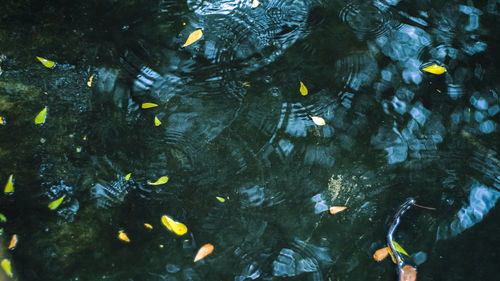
(434,69)
(303,89)
(3,218)
(255,4)
(398,248)
(147,225)
(40,118)
(176,227)
(157,121)
(47,63)
(123,236)
(89,83)
(127,176)
(193,37)
(204,251)
(221,199)
(13,242)
(381,254)
(2,121)
(408,273)
(149,105)
(162,180)
(7,267)
(54,204)
(336,209)
(318,120)
(9,187)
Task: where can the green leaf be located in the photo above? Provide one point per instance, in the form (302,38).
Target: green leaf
(3,218)
(398,248)
(221,199)
(127,176)
(54,204)
(40,118)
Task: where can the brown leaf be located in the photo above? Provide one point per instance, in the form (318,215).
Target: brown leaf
(408,273)
(204,251)
(381,254)
(336,209)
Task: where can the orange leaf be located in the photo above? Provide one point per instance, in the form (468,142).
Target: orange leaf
(381,254)
(408,273)
(204,251)
(336,209)
(13,242)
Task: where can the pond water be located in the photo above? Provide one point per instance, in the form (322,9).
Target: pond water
(236,128)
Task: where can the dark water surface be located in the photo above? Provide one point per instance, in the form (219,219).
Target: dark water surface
(234,125)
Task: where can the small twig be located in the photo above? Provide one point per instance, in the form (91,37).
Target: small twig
(405,272)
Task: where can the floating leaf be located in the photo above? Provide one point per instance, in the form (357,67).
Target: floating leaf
(147,225)
(2,121)
(40,118)
(336,209)
(123,236)
(54,204)
(398,248)
(149,105)
(78,149)
(221,199)
(381,254)
(7,267)
(157,122)
(255,4)
(3,218)
(9,187)
(434,69)
(193,37)
(204,251)
(303,89)
(162,180)
(89,83)
(318,120)
(47,63)
(127,176)
(176,227)
(408,273)
(13,242)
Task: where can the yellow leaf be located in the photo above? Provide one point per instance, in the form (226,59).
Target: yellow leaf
(204,251)
(162,180)
(318,120)
(193,37)
(40,118)
(221,199)
(157,122)
(149,105)
(9,187)
(434,69)
(336,209)
(7,267)
(398,248)
(123,236)
(127,176)
(255,4)
(47,63)
(13,242)
(147,225)
(54,204)
(89,83)
(303,89)
(2,121)
(176,227)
